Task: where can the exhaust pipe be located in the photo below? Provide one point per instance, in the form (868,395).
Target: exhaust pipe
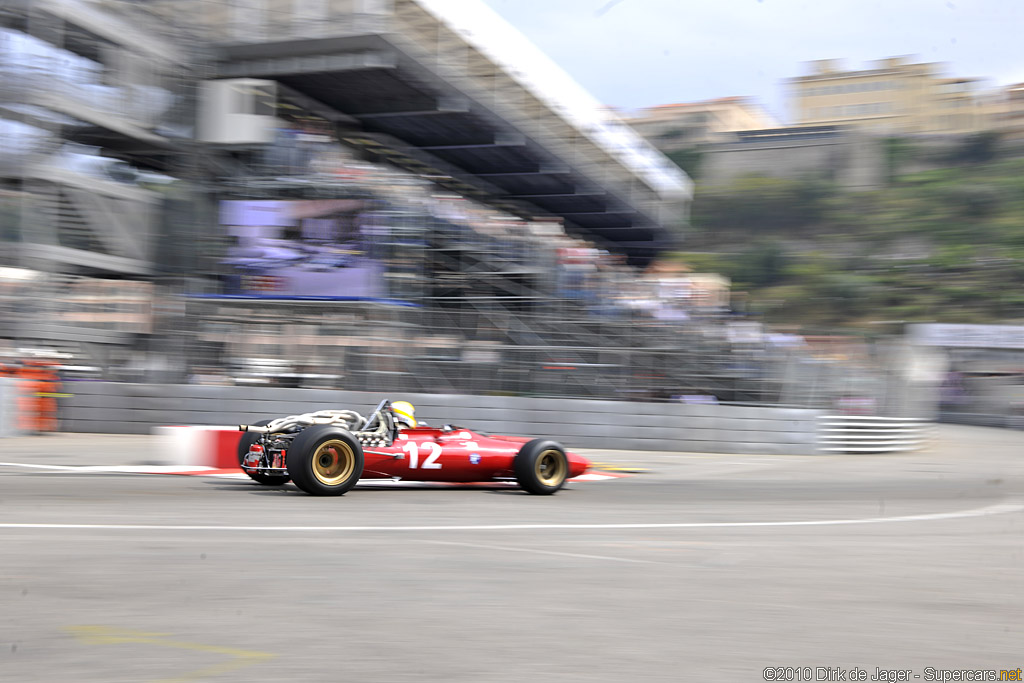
(253,428)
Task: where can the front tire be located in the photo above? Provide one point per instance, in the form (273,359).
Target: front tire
(247,440)
(541,467)
(325,460)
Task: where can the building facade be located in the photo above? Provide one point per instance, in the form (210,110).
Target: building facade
(1013,114)
(894,96)
(679,126)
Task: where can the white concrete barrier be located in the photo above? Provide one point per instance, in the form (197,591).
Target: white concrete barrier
(108,407)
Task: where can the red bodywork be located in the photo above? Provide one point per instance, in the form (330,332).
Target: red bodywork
(459,455)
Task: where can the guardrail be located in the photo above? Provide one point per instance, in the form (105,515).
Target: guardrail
(871,434)
(983,419)
(109,407)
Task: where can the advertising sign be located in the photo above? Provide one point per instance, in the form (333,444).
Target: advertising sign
(300,248)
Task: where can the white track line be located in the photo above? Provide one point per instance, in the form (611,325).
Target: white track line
(116,469)
(542,552)
(206,471)
(999,509)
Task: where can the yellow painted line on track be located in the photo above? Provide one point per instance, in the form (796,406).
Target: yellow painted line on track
(105,635)
(611,467)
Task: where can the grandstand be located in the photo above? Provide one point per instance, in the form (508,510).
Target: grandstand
(452,92)
(366,194)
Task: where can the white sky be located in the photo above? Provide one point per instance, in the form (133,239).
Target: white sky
(638,53)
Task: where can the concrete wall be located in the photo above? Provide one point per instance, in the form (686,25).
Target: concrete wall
(854,162)
(103,407)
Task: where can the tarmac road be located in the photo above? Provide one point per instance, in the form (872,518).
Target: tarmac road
(897,562)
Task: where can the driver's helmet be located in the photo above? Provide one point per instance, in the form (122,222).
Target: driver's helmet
(404,413)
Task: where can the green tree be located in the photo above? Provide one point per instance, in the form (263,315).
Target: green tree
(976,149)
(763,265)
(762,203)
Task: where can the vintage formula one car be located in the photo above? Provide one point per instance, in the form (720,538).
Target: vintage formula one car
(325,453)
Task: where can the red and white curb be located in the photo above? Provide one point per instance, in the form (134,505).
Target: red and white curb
(198,448)
(235,473)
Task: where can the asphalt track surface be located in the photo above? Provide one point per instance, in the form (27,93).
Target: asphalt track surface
(704,567)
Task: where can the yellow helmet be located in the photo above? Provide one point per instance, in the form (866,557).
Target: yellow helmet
(404,412)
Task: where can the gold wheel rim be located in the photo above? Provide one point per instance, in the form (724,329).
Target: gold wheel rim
(333,462)
(551,468)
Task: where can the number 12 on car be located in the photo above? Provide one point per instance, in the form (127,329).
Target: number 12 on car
(433,452)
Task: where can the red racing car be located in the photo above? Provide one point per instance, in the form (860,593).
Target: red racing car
(325,453)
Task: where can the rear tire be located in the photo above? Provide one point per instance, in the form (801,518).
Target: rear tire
(247,440)
(541,467)
(325,460)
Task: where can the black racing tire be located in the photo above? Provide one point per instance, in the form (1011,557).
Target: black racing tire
(541,467)
(247,440)
(325,460)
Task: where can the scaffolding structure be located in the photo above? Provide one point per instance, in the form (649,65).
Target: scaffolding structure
(96,107)
(470,310)
(136,286)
